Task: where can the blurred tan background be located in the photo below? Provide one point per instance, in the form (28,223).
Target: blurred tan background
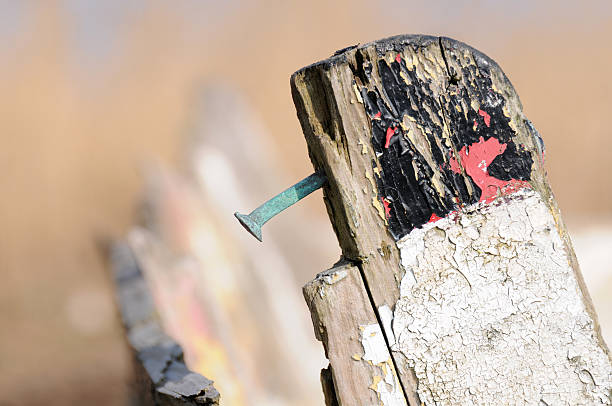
(90,91)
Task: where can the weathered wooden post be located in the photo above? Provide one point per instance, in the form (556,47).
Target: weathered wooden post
(459,284)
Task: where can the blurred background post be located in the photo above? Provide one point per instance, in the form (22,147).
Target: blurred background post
(186,106)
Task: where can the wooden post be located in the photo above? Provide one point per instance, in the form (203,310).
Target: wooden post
(438,195)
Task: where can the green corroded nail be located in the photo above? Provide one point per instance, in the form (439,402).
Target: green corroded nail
(260,216)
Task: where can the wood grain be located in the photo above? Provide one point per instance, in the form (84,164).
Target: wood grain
(360,362)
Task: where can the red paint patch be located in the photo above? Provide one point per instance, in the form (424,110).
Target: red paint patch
(454,165)
(386,203)
(476,159)
(475,125)
(398,58)
(390,133)
(434,217)
(377,115)
(486,117)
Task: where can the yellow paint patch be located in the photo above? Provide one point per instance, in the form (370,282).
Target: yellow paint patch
(379,208)
(375,381)
(475,105)
(357,94)
(364,147)
(368,176)
(506,112)
(405,78)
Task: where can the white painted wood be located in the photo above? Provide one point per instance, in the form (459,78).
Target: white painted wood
(491,312)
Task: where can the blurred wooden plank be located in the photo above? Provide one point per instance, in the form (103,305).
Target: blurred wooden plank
(161,376)
(360,363)
(437,192)
(234,305)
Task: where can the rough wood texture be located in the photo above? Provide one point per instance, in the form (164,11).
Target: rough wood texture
(437,192)
(360,362)
(161,376)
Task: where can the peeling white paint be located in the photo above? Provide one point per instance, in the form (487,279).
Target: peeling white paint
(375,352)
(334,277)
(331,277)
(386,317)
(490,312)
(374,347)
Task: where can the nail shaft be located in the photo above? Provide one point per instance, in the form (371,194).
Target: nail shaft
(258,217)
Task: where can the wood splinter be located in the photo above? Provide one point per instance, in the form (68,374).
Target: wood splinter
(460,265)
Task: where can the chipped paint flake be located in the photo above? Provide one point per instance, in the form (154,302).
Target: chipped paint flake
(389,135)
(486,117)
(330,279)
(369,177)
(386,317)
(364,147)
(375,352)
(386,203)
(357,94)
(335,277)
(379,208)
(490,312)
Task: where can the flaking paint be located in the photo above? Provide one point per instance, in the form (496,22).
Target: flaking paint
(490,311)
(376,353)
(475,159)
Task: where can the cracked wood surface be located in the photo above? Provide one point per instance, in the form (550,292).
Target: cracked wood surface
(160,374)
(354,344)
(423,133)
